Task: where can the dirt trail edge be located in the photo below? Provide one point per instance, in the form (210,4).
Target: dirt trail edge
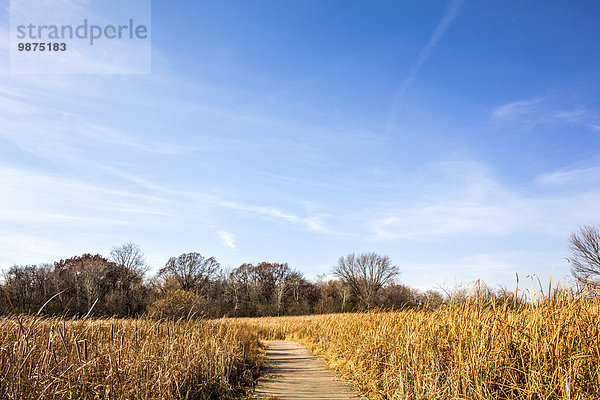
(293,373)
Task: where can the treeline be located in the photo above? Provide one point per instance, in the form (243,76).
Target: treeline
(192,285)
(195,286)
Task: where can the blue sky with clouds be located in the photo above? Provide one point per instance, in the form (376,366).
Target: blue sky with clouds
(461,138)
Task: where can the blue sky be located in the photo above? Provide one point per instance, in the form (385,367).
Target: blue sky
(461,138)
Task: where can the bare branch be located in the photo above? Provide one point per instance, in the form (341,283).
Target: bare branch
(585,254)
(130,256)
(366,274)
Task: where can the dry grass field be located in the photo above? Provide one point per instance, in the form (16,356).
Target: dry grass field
(475,350)
(480,349)
(125,359)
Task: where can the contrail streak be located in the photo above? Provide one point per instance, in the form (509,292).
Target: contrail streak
(449,15)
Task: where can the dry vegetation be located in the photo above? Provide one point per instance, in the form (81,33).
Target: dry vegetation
(125,359)
(473,350)
(478,349)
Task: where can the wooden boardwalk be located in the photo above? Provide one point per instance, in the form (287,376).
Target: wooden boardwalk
(293,373)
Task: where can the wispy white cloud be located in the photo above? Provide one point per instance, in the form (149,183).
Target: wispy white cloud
(572,176)
(458,197)
(40,195)
(473,202)
(122,139)
(313,223)
(39,249)
(37,206)
(69,141)
(227,238)
(570,115)
(516,108)
(13,107)
(545,111)
(30,196)
(445,218)
(310,223)
(37,126)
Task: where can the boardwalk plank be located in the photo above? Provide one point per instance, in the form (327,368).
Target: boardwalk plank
(293,373)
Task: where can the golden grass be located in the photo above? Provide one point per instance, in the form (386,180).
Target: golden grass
(549,349)
(474,350)
(125,359)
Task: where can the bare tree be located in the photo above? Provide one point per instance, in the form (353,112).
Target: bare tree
(366,274)
(270,285)
(585,254)
(295,282)
(238,286)
(281,273)
(130,256)
(191,271)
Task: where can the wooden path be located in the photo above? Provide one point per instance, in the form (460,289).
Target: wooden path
(293,373)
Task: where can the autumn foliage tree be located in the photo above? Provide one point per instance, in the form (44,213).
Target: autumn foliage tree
(192,285)
(77,286)
(92,284)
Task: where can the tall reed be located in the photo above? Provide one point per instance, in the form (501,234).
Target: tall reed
(477,349)
(125,359)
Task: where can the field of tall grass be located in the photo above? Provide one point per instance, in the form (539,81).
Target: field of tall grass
(125,359)
(477,349)
(474,349)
